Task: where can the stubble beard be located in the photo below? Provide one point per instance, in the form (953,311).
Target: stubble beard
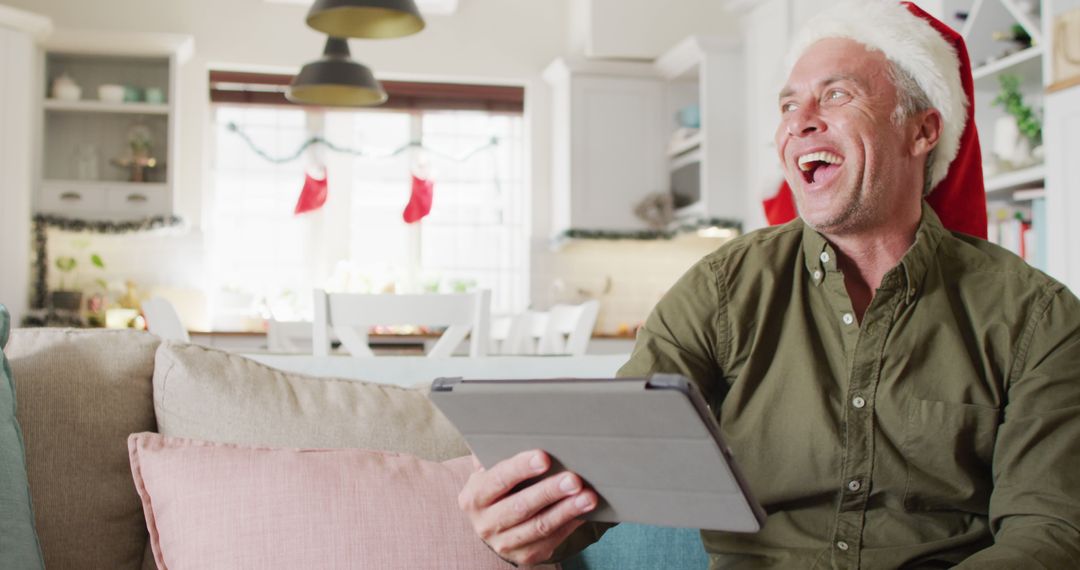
(856,211)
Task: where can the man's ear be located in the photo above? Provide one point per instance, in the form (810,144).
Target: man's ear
(928,126)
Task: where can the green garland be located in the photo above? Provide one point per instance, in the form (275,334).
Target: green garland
(1026,120)
(574,233)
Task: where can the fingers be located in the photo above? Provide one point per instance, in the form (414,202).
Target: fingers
(514,509)
(486,487)
(534,539)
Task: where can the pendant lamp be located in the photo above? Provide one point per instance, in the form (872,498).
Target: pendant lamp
(336,80)
(365,18)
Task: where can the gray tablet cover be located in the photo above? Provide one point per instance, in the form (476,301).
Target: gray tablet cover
(649,447)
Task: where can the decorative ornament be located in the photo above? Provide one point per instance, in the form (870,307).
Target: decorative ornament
(420,200)
(140,144)
(657,210)
(313,195)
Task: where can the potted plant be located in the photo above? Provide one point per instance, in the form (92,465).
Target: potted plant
(69,297)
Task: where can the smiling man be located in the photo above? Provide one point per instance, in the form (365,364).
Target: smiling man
(898,394)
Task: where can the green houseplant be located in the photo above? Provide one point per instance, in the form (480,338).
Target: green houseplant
(69,296)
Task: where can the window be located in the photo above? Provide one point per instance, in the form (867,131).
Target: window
(266,260)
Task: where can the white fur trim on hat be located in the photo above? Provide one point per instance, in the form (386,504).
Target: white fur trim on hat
(911,43)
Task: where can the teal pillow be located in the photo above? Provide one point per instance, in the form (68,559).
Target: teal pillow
(643,547)
(18,541)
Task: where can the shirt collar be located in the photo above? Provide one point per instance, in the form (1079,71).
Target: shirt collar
(820,257)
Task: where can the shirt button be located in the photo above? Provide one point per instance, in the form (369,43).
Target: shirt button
(854,485)
(858,402)
(842,545)
(825,257)
(848,318)
(817,275)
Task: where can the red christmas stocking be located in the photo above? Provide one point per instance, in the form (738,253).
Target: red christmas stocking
(420,201)
(313,196)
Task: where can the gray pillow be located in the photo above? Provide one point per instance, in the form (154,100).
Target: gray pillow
(202,393)
(18,541)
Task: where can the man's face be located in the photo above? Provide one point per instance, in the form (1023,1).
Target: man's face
(842,154)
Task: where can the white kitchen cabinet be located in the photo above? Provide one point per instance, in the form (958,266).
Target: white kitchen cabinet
(713,67)
(19,33)
(609,142)
(84,139)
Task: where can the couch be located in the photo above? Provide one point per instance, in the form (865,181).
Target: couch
(80,394)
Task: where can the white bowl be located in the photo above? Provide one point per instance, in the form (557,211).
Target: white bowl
(111,93)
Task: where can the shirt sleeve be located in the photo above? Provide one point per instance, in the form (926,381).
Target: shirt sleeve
(687,333)
(1035,504)
(683,335)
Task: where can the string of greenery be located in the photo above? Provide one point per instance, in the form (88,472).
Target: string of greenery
(319,140)
(574,233)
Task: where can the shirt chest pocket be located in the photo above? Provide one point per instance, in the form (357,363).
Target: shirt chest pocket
(948,448)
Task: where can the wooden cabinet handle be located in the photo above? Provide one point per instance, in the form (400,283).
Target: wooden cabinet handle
(71,196)
(136,198)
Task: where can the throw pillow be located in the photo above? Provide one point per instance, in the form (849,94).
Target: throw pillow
(18,540)
(81,393)
(209,394)
(211,505)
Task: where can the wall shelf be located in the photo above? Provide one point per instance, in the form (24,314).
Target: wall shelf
(92,106)
(1026,63)
(1016,179)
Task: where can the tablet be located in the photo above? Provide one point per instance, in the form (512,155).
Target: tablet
(648,446)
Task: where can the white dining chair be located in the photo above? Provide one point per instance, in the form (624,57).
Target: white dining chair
(567,329)
(163,321)
(351,315)
(563,329)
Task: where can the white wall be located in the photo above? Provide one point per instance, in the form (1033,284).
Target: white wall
(16,159)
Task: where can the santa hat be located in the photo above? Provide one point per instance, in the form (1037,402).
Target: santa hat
(936,57)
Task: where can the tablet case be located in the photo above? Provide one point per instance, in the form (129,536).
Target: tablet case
(649,447)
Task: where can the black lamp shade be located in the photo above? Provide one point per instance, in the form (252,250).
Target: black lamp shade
(365,18)
(336,80)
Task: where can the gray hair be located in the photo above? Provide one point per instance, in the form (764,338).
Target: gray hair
(911,99)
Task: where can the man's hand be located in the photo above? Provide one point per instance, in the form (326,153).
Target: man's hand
(527,526)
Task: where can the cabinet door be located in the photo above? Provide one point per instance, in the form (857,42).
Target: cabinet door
(617,146)
(1062,143)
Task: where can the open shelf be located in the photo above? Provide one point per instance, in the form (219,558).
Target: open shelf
(105,107)
(1002,185)
(1027,64)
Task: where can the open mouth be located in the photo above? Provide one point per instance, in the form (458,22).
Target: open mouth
(819,167)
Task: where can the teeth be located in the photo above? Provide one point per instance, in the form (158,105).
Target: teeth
(822,156)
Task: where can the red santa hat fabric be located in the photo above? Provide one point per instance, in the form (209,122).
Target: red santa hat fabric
(936,57)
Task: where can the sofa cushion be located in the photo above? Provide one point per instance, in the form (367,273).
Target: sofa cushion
(212,505)
(642,546)
(81,393)
(18,541)
(203,393)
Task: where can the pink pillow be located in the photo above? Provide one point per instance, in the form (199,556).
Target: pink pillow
(217,506)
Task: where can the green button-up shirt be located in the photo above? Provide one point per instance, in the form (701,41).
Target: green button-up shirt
(944,427)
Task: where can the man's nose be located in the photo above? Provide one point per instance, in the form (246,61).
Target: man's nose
(804,121)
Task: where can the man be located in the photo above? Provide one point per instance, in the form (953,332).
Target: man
(898,395)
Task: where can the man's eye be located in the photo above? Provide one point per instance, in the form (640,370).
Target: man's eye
(835,95)
(787,107)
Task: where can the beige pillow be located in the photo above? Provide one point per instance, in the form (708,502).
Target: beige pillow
(81,393)
(202,393)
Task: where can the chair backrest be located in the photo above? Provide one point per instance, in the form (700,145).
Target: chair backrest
(350,315)
(569,328)
(564,329)
(162,320)
(516,334)
(288,336)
